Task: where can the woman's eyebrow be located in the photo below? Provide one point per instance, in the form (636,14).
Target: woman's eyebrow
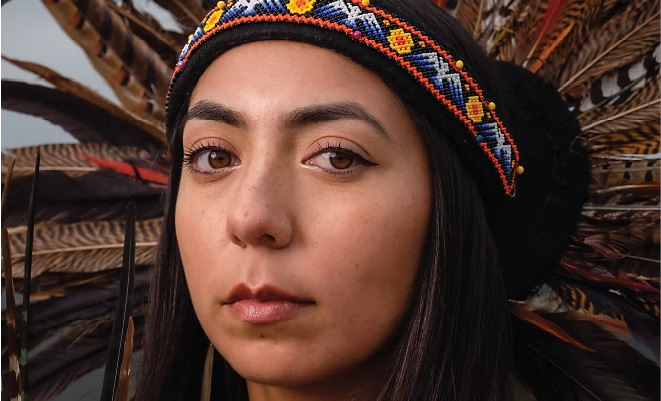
(332,112)
(206,110)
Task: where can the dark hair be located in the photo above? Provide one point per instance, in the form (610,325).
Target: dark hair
(454,343)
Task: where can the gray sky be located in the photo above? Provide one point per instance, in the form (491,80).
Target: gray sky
(30,33)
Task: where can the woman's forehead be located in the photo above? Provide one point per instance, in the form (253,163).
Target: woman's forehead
(285,75)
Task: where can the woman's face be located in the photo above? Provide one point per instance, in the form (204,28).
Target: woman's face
(302,211)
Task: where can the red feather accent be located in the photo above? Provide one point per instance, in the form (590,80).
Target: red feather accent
(601,279)
(522,313)
(550,17)
(131,170)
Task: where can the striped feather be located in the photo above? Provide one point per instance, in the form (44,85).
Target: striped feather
(143,63)
(126,86)
(616,86)
(641,107)
(623,39)
(71,158)
(83,247)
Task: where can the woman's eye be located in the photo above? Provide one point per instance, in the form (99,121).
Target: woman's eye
(338,160)
(215,159)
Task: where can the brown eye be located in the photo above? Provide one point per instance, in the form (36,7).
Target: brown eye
(214,159)
(219,159)
(340,160)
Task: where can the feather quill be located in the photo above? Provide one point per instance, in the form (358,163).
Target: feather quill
(124,311)
(12,386)
(123,387)
(29,236)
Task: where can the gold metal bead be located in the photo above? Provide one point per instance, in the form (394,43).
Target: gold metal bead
(492,106)
(459,64)
(520,169)
(221,5)
(365,3)
(190,37)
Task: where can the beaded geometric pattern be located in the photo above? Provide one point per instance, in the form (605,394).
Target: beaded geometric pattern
(432,66)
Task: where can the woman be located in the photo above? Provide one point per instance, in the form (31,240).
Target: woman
(341,221)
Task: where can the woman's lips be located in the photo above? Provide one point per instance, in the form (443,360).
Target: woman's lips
(254,311)
(266,304)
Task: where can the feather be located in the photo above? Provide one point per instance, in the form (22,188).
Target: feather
(642,106)
(132,170)
(27,270)
(12,383)
(623,39)
(72,158)
(83,247)
(647,131)
(136,55)
(128,89)
(469,14)
(155,130)
(627,172)
(559,371)
(166,43)
(78,349)
(124,384)
(621,242)
(524,314)
(551,16)
(207,375)
(616,86)
(83,119)
(187,12)
(123,313)
(611,282)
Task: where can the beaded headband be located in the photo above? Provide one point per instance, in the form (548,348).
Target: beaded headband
(432,66)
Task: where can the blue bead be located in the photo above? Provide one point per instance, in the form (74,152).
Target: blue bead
(479,138)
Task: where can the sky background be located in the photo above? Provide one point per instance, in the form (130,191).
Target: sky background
(30,33)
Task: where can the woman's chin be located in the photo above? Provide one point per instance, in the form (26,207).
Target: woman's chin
(285,365)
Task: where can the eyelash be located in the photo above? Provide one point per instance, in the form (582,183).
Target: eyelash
(328,147)
(190,154)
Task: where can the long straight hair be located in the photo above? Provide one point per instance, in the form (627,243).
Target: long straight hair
(455,341)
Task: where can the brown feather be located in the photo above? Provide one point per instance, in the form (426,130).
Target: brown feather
(166,43)
(187,12)
(83,247)
(624,38)
(569,31)
(522,313)
(136,55)
(71,158)
(123,388)
(128,89)
(153,129)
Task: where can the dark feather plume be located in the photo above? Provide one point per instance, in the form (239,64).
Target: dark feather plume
(123,313)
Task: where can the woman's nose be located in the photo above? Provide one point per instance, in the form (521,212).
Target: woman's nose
(260,213)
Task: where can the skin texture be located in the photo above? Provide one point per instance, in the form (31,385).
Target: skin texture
(277,215)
